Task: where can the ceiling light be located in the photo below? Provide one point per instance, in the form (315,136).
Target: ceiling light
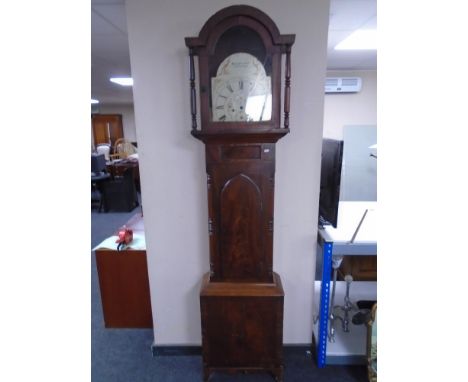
(362,39)
(94,101)
(124,81)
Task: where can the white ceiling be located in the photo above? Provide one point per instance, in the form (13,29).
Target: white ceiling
(345,17)
(110,53)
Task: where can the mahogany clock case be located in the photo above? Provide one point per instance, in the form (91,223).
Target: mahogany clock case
(241,298)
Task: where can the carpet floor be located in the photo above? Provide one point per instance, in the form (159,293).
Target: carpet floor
(124,355)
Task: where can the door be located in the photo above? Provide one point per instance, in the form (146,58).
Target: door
(107,128)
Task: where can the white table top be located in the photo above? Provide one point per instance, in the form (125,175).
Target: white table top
(349,216)
(138,243)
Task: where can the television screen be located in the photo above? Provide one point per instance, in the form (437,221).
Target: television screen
(330,179)
(98,163)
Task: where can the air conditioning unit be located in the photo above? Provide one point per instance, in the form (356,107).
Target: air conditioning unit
(343,84)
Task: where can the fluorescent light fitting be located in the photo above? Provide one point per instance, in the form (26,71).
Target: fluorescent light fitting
(124,81)
(362,39)
(94,101)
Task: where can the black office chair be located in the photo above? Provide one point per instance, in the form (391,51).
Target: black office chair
(120,193)
(97,185)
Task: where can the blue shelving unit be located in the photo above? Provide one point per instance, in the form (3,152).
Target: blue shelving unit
(327,248)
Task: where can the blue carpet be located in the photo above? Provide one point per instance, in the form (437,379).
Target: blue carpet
(124,355)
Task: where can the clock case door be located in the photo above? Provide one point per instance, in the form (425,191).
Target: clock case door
(240,200)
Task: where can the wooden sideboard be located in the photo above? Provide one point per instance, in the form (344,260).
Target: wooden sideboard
(124,283)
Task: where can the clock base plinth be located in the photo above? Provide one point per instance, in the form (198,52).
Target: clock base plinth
(242,327)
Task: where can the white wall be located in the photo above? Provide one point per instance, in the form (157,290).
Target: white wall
(172,162)
(351,108)
(128,117)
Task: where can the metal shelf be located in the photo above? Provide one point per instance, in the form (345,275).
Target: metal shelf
(346,241)
(349,347)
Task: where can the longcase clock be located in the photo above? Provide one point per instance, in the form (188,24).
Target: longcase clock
(240,70)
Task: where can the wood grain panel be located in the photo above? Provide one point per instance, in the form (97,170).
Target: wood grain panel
(241,152)
(240,330)
(362,268)
(124,285)
(241,212)
(242,326)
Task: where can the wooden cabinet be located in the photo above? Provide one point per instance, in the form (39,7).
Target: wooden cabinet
(124,283)
(107,128)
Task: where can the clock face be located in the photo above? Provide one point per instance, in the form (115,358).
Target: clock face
(241,90)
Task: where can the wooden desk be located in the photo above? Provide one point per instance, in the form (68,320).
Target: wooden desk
(124,283)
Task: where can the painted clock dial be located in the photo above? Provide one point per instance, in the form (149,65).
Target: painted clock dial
(241,90)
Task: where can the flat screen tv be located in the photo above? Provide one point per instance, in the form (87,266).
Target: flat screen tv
(330,179)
